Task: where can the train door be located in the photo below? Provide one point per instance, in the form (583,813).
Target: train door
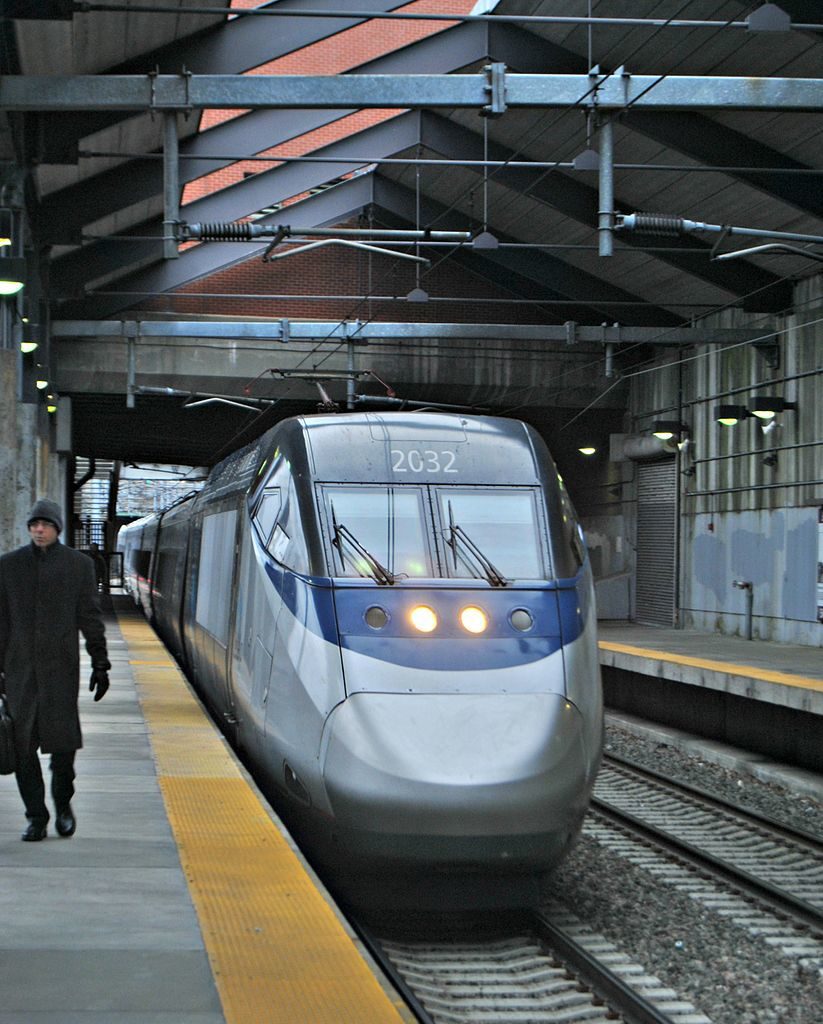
(656,542)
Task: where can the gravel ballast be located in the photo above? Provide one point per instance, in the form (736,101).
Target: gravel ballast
(730,974)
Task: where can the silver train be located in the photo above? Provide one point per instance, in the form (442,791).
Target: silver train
(393,616)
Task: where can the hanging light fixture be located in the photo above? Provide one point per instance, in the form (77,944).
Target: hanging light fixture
(766,407)
(667,430)
(12,274)
(587,450)
(29,336)
(729,415)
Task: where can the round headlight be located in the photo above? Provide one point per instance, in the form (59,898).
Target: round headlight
(376,617)
(473,619)
(521,619)
(423,618)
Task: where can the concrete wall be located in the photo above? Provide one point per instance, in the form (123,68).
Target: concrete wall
(29,468)
(741,518)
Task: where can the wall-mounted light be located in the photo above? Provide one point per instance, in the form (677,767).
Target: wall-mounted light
(667,430)
(729,415)
(766,407)
(5,227)
(29,336)
(12,274)
(587,450)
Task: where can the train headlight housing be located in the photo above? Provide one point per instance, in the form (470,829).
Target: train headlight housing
(376,617)
(474,619)
(521,619)
(423,618)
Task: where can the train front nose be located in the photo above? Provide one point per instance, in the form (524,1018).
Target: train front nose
(457,778)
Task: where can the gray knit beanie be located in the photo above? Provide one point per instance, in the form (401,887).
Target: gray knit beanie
(45,509)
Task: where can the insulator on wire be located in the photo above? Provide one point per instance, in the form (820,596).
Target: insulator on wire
(226,231)
(652,224)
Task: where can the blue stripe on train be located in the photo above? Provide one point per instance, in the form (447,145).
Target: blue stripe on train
(337,614)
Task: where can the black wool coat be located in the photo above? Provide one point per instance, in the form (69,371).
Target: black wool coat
(46,596)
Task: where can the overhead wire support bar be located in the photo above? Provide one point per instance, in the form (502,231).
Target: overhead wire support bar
(183,92)
(751,24)
(276,158)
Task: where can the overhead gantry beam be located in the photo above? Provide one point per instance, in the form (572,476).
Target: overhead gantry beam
(493,90)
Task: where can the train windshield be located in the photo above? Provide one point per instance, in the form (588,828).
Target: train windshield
(377,531)
(491,533)
(394,533)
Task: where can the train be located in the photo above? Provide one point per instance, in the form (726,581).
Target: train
(391,615)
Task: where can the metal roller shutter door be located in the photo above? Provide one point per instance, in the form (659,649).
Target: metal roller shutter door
(656,542)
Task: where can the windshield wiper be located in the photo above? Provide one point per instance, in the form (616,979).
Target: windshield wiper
(457,535)
(379,572)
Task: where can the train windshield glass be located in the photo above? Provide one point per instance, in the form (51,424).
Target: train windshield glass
(376,528)
(491,531)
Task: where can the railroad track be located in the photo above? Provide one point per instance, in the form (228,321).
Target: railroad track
(553,968)
(775,865)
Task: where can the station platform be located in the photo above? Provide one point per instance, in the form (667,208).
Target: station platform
(760,695)
(180,899)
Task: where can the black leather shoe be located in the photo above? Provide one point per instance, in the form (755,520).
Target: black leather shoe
(65,823)
(34,833)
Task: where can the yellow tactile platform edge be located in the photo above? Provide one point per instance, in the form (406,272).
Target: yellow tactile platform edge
(278,952)
(752,671)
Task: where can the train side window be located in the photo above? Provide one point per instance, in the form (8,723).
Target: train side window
(214,578)
(287,543)
(265,514)
(572,531)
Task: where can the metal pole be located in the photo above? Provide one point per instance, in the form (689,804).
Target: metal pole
(605,213)
(171,185)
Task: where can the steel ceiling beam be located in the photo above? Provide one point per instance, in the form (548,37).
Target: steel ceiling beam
(286,330)
(618,91)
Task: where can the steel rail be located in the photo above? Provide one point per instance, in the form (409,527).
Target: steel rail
(779,901)
(754,818)
(383,961)
(608,985)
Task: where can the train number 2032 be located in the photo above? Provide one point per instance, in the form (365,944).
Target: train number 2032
(427,460)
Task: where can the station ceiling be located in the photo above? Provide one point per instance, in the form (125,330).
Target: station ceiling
(715,112)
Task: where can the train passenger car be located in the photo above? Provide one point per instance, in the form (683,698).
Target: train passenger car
(394,614)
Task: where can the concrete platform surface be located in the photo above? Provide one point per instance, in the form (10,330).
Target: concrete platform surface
(789,675)
(166,906)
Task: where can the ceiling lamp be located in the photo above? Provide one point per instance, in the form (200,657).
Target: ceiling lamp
(668,429)
(729,415)
(766,407)
(12,274)
(587,450)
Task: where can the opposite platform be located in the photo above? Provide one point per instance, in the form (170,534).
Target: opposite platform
(180,899)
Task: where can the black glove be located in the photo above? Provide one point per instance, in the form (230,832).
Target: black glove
(99,683)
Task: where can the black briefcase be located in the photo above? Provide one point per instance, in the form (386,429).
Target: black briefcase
(8,758)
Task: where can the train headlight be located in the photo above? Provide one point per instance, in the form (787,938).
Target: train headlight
(474,619)
(376,617)
(521,619)
(423,618)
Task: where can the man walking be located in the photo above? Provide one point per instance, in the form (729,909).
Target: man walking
(48,592)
